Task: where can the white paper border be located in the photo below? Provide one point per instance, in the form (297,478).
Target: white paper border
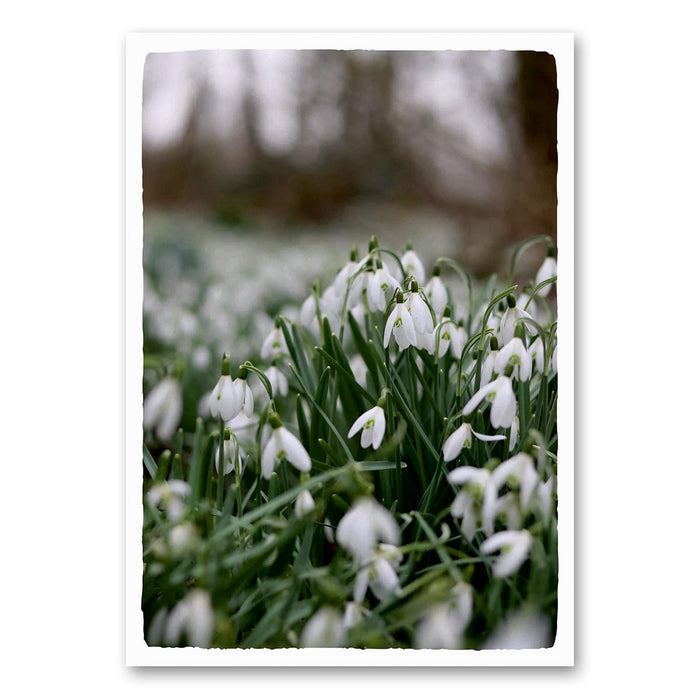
(138,46)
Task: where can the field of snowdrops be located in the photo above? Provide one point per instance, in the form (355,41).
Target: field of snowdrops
(346,447)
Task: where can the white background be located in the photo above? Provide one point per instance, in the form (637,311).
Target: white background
(62,291)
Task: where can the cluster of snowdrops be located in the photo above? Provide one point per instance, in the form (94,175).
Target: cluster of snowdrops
(382,475)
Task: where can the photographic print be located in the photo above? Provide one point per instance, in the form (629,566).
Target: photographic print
(345,362)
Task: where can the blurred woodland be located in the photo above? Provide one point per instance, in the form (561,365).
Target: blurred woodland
(289,138)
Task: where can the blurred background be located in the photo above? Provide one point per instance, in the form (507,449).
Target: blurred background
(335,141)
(261,169)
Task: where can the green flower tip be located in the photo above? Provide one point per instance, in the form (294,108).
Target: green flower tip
(227,433)
(399,299)
(354,254)
(373,244)
(447,312)
(436,270)
(519,332)
(242,372)
(511,301)
(494,342)
(225,365)
(379,265)
(275,421)
(414,284)
(409,245)
(381,402)
(550,251)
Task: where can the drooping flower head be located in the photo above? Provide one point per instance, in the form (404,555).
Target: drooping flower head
(515,547)
(412,264)
(436,292)
(283,445)
(400,325)
(503,404)
(372,423)
(364,526)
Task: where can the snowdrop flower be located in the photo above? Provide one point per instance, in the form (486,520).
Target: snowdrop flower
(436,292)
(359,370)
(278,381)
(245,428)
(536,352)
(514,546)
(192,616)
(380,288)
(304,503)
(447,336)
(511,316)
(514,433)
(419,310)
(353,614)
(461,438)
(162,408)
(182,538)
(503,404)
(365,525)
(243,395)
(412,265)
(372,423)
(324,629)
(515,353)
(274,344)
(400,324)
(523,629)
(379,574)
(489,362)
(224,401)
(544,499)
(443,625)
(283,445)
(307,313)
(170,495)
(467,504)
(519,473)
(231,446)
(340,283)
(547,269)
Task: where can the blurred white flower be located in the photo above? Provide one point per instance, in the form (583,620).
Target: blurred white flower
(192,617)
(514,546)
(278,381)
(522,629)
(169,495)
(536,352)
(379,574)
(283,445)
(503,404)
(547,269)
(364,526)
(413,266)
(353,614)
(304,503)
(436,294)
(182,538)
(324,629)
(372,423)
(443,624)
(162,408)
(359,370)
(467,503)
(274,345)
